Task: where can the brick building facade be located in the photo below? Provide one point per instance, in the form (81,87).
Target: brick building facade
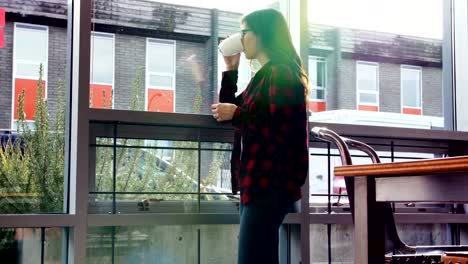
(337,55)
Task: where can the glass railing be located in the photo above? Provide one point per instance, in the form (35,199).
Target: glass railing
(164,168)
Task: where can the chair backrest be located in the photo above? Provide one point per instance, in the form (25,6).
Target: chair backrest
(332,137)
(343,144)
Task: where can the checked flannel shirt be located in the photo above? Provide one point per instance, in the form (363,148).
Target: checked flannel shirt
(270,150)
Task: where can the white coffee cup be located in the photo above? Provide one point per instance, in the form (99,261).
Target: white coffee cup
(232,45)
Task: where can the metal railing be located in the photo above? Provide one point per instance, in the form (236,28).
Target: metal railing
(391,144)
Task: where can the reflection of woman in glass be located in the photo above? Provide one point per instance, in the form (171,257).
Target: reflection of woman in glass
(269,161)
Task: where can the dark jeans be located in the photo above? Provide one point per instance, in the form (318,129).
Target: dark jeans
(260,220)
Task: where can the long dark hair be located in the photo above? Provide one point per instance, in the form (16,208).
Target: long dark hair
(271,28)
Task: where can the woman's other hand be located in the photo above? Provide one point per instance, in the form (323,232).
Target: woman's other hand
(223,111)
(232,62)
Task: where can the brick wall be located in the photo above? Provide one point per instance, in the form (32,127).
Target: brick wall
(56,72)
(6,71)
(432,91)
(130,56)
(389,87)
(186,82)
(56,67)
(346,87)
(332,84)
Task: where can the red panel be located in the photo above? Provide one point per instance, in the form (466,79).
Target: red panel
(368,108)
(160,100)
(30,87)
(2,25)
(2,38)
(2,17)
(101,95)
(318,106)
(412,111)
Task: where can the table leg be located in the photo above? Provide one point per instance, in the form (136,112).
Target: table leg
(369,227)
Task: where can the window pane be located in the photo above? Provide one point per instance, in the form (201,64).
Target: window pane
(33,113)
(411,96)
(318,178)
(317,72)
(211,250)
(166,244)
(161,176)
(411,87)
(368,50)
(30,50)
(158,81)
(216,175)
(317,78)
(321,74)
(160,173)
(24,245)
(169,38)
(313,72)
(146,170)
(31,43)
(317,94)
(367,77)
(160,57)
(27,69)
(148,167)
(102,57)
(366,98)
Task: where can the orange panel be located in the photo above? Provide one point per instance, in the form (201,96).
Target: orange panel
(2,38)
(412,111)
(160,100)
(2,25)
(101,95)
(30,87)
(318,106)
(2,17)
(368,108)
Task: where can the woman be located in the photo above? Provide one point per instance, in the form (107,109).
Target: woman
(269,162)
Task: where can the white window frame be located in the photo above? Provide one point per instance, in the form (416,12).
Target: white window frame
(325,79)
(358,91)
(164,74)
(15,61)
(103,35)
(411,68)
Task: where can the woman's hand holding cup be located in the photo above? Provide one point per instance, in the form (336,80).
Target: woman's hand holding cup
(230,49)
(232,62)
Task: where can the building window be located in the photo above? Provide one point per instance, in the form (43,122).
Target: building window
(160,75)
(102,70)
(30,50)
(367,84)
(317,84)
(317,78)
(244,72)
(411,90)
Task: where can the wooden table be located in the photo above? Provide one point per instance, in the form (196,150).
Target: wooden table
(442,180)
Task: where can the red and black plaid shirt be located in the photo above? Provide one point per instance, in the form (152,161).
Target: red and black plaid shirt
(270,149)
